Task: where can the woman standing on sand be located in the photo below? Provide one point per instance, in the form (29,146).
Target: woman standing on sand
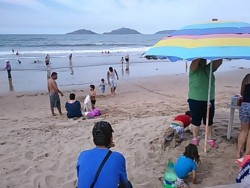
(244,114)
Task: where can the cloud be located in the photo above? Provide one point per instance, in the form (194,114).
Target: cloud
(146,16)
(31,4)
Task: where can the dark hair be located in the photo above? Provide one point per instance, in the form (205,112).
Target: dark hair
(188,113)
(191,151)
(53,74)
(102,80)
(72,96)
(102,133)
(111,69)
(92,86)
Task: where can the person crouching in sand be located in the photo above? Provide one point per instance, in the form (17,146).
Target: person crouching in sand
(54,94)
(186,163)
(176,129)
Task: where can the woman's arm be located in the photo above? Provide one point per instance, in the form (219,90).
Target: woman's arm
(216,64)
(194,65)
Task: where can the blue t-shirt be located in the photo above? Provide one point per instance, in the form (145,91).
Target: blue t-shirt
(73,109)
(113,172)
(184,166)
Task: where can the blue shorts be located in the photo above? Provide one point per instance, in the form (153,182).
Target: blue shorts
(244,112)
(199,112)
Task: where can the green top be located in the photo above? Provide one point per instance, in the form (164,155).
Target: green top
(198,84)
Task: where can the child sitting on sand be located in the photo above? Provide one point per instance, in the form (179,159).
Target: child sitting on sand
(187,163)
(176,129)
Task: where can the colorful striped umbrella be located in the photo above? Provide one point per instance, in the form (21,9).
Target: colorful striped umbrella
(212,41)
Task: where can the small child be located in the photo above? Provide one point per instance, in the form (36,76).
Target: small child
(92,95)
(102,86)
(186,163)
(176,129)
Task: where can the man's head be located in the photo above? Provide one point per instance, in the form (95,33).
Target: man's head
(102,80)
(102,134)
(111,69)
(72,96)
(54,75)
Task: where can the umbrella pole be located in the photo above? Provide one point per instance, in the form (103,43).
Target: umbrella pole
(208,105)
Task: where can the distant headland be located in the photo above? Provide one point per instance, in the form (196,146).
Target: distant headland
(120,31)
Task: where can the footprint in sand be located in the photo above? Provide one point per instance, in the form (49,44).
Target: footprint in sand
(38,181)
(50,181)
(19,96)
(70,184)
(29,155)
(41,157)
(55,166)
(71,176)
(19,169)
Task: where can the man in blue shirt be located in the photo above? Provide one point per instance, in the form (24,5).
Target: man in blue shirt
(113,173)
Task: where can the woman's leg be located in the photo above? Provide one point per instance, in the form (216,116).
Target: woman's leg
(242,138)
(248,141)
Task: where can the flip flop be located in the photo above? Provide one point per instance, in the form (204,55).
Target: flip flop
(212,143)
(195,141)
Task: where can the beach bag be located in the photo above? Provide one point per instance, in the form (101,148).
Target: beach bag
(94,113)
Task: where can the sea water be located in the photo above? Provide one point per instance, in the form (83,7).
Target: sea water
(89,64)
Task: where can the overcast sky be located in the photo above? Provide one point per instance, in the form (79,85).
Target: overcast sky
(146,16)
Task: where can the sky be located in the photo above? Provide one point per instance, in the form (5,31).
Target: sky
(145,16)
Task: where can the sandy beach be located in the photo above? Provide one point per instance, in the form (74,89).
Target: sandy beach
(38,150)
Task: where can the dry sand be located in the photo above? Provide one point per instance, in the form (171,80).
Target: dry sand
(38,150)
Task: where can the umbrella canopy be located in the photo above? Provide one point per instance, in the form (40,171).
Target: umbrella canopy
(213,40)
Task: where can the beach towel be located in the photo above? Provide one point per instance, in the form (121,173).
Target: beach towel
(86,104)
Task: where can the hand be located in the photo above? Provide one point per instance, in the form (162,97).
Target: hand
(108,83)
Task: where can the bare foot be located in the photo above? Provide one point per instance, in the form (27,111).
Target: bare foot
(53,114)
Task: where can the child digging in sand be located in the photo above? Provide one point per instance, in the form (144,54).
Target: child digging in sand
(176,129)
(187,163)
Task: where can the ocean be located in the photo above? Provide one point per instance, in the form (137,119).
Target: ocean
(92,55)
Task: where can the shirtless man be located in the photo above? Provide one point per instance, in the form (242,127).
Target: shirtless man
(53,94)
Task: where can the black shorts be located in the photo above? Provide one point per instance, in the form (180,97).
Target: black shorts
(93,102)
(198,111)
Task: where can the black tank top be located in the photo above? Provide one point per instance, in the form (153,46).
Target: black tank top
(246,94)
